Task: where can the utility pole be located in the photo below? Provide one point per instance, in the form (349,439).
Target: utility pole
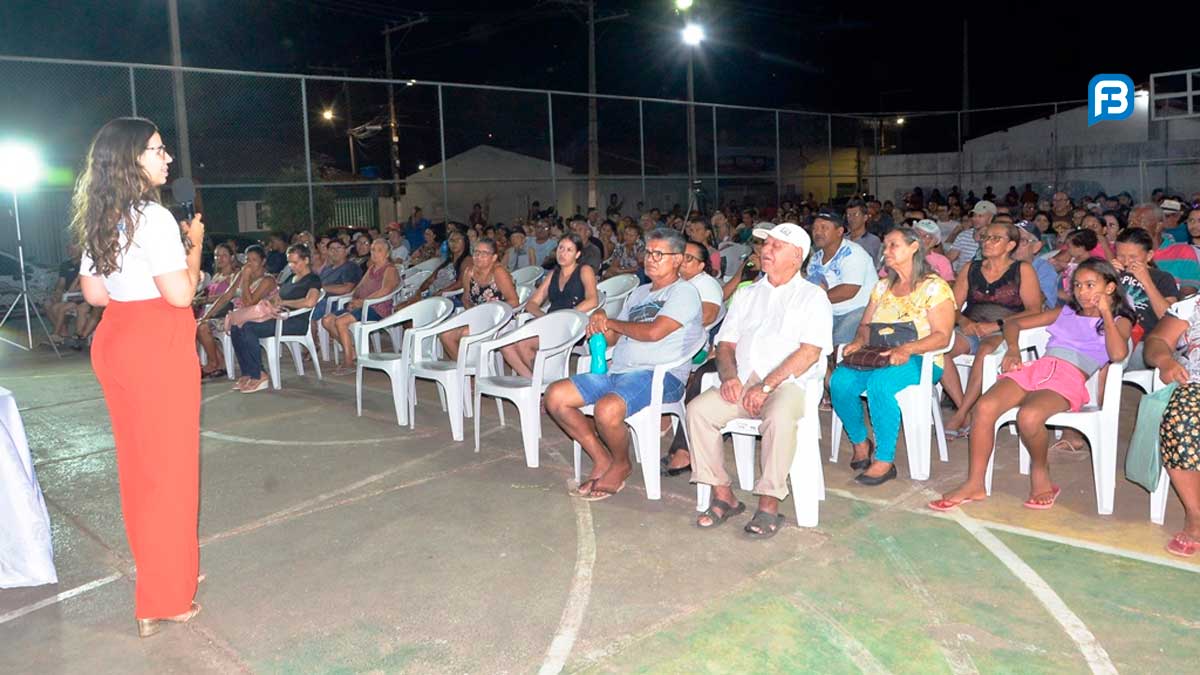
(393,131)
(593,130)
(966,89)
(181,120)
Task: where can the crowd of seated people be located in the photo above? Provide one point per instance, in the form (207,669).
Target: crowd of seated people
(886,281)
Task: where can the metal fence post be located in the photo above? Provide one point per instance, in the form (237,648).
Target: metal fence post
(716,159)
(442,139)
(312,213)
(553,171)
(829,148)
(132,92)
(1054,148)
(961,154)
(778,164)
(642,150)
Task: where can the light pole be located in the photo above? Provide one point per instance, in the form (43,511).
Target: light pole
(693,35)
(20,169)
(328,116)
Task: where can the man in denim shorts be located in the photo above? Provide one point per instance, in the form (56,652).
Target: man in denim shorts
(660,323)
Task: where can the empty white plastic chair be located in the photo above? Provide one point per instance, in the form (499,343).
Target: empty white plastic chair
(556,332)
(294,342)
(430,266)
(528,276)
(732,256)
(423,314)
(615,291)
(806,474)
(482,323)
(1098,423)
(645,423)
(920,405)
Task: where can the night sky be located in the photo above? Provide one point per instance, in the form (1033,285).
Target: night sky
(815,55)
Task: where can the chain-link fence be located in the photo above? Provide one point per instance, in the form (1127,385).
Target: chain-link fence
(276,151)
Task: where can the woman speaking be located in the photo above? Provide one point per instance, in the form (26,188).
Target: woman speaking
(135,264)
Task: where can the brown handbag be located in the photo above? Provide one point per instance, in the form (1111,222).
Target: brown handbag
(867,358)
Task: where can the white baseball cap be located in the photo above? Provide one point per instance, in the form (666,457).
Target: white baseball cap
(788,232)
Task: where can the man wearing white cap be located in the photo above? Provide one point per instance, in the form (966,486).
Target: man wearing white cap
(964,240)
(773,340)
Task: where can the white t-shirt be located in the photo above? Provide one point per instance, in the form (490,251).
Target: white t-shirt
(679,301)
(157,248)
(851,264)
(768,323)
(400,253)
(709,289)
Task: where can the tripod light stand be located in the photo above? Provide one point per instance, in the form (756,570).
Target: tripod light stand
(20,168)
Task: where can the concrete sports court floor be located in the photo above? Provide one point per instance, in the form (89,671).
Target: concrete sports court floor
(336,543)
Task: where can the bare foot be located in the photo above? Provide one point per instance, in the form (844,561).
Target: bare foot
(614,477)
(680,458)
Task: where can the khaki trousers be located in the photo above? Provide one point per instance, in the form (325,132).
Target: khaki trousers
(708,413)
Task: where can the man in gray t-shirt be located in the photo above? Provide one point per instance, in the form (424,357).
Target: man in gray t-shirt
(659,323)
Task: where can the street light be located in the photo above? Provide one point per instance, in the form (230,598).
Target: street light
(900,121)
(683,5)
(327,114)
(693,35)
(20,169)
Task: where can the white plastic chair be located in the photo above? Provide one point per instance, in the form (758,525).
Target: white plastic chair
(732,255)
(423,314)
(808,479)
(430,266)
(528,276)
(294,342)
(645,422)
(615,290)
(556,333)
(1097,423)
(332,304)
(919,405)
(482,323)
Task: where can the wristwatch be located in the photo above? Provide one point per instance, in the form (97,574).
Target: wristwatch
(767,389)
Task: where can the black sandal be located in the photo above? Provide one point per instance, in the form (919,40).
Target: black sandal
(767,523)
(727,511)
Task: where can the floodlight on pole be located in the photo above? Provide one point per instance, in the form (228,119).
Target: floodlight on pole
(900,121)
(20,169)
(683,5)
(327,114)
(693,35)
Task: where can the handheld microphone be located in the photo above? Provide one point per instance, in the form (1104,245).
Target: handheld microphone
(184,192)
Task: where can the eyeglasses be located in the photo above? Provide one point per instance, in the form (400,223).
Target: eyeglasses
(482,251)
(689,256)
(160,150)
(657,256)
(994,237)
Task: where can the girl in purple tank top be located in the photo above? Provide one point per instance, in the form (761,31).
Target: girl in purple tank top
(1087,333)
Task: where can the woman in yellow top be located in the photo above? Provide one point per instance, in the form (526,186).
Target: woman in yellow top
(914,301)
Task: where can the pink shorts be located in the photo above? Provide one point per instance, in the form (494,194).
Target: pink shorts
(1053,374)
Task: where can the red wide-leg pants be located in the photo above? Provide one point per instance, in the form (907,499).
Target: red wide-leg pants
(144,354)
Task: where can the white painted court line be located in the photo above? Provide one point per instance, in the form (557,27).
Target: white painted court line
(580,593)
(1093,652)
(65,595)
(218,436)
(837,635)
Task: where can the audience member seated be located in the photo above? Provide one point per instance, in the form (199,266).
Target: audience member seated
(1079,246)
(430,249)
(1180,260)
(773,340)
(627,256)
(699,231)
(213,305)
(339,276)
(592,255)
(520,252)
(659,323)
(1179,433)
(1087,332)
(276,254)
(1028,251)
(964,239)
(1149,290)
(298,292)
(845,271)
(380,281)
(569,286)
(931,238)
(544,246)
(989,292)
(361,253)
(58,309)
(398,244)
(747,272)
(911,312)
(484,281)
(856,229)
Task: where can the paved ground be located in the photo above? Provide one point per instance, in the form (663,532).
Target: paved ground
(336,543)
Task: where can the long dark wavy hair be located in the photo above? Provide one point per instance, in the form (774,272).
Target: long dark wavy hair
(1120,302)
(112,188)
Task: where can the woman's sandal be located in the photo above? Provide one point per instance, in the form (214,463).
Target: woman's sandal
(767,525)
(148,627)
(584,488)
(950,504)
(1033,503)
(1183,545)
(727,511)
(598,494)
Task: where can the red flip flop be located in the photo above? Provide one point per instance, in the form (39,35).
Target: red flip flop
(1183,545)
(1055,491)
(950,504)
